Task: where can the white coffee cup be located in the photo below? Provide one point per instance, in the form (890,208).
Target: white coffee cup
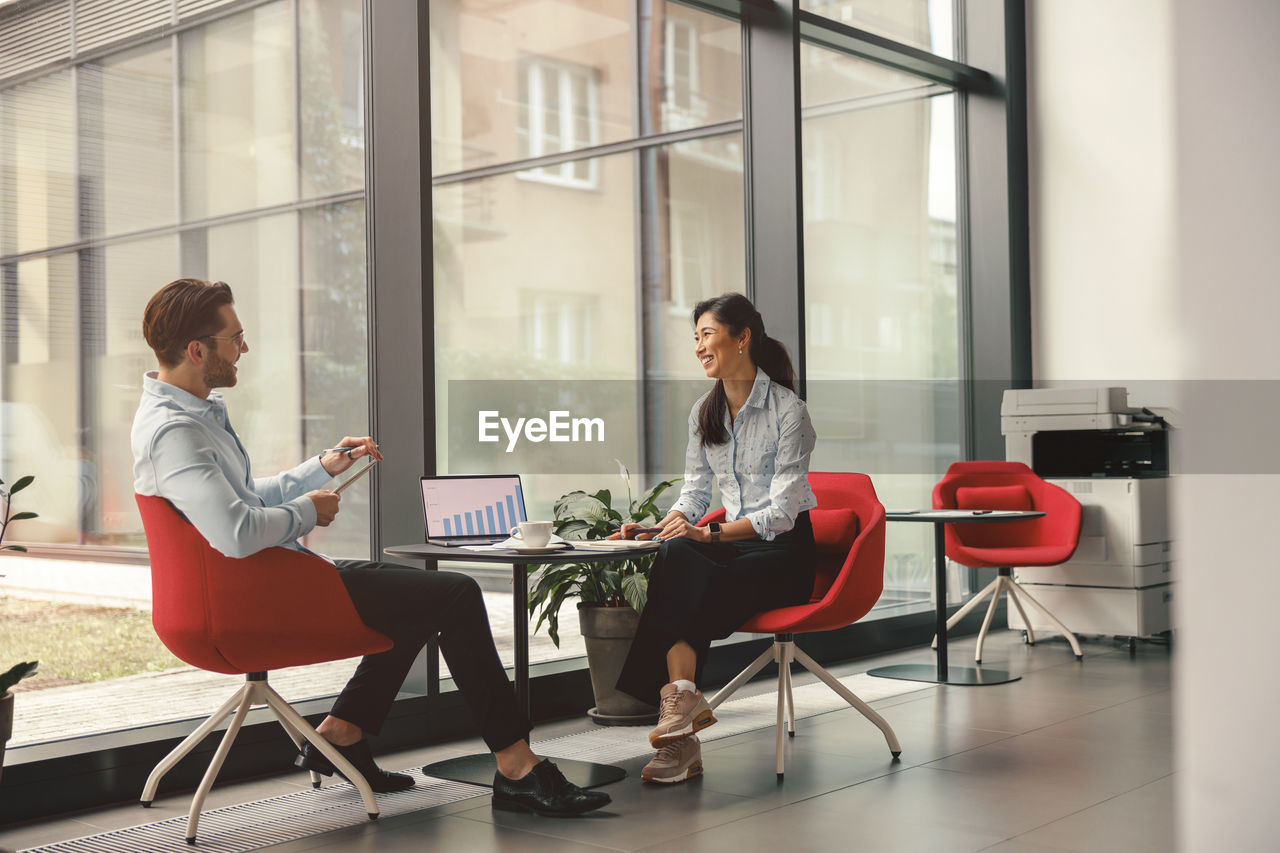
(534,534)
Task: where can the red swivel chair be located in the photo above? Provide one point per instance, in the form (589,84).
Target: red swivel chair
(1045,541)
(274,609)
(848,528)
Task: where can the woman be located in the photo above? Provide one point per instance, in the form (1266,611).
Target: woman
(752,433)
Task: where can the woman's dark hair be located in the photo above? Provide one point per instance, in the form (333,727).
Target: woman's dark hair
(736,312)
(183,311)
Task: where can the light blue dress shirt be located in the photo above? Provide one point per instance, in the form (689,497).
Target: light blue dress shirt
(185,450)
(763,469)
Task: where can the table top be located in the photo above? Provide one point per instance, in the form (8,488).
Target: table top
(572,555)
(961,516)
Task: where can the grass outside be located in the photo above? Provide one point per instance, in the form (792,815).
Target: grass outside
(77,642)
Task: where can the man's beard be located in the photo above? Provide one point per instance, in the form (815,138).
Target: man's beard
(218,372)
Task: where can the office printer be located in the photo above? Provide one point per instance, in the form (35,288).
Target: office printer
(1083,432)
(1114,458)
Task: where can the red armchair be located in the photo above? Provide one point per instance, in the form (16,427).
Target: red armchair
(848,528)
(1045,541)
(274,609)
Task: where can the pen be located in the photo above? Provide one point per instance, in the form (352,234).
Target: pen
(344,449)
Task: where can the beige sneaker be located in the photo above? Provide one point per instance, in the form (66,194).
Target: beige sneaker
(680,714)
(675,762)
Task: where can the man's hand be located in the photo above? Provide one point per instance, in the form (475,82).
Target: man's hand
(326,505)
(354,447)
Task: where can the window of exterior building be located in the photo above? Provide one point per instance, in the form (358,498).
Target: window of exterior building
(681,64)
(557,114)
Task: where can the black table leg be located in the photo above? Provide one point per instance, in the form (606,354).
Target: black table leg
(940,596)
(520,599)
(941,673)
(479,769)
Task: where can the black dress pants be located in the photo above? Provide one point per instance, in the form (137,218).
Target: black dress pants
(410,606)
(699,592)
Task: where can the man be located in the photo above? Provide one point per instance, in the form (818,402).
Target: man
(185,450)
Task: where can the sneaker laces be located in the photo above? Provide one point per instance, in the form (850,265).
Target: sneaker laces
(669,704)
(671,752)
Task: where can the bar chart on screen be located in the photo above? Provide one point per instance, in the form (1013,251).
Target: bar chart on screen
(473,506)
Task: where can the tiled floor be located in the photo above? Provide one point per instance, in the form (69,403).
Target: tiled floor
(1073,757)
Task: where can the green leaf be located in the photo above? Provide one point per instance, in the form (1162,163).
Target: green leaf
(552,614)
(22,483)
(21,548)
(16,673)
(574,529)
(561,506)
(605,498)
(645,504)
(635,588)
(23,516)
(580,505)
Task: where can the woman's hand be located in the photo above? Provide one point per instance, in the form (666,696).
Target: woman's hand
(631,530)
(676,526)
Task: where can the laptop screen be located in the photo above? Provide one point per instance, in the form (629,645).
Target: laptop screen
(472,505)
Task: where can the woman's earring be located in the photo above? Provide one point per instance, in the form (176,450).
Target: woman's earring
(739,350)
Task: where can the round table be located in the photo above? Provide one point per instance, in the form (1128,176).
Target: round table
(478,769)
(943,674)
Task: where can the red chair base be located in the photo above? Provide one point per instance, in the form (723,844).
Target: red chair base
(783,652)
(255,691)
(1004,583)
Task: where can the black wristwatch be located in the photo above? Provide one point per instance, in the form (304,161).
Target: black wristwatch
(714,529)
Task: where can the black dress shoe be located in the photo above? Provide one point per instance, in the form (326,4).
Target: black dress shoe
(545,791)
(361,758)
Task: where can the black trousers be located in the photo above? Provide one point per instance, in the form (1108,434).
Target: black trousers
(699,592)
(410,606)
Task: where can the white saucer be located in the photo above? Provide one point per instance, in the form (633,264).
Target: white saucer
(559,546)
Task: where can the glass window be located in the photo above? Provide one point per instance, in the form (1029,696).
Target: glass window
(267,401)
(153,151)
(122,277)
(39,431)
(331,92)
(882,347)
(334,350)
(512,79)
(573,317)
(699,79)
(515,80)
(238,113)
(37,165)
(126,141)
(925,24)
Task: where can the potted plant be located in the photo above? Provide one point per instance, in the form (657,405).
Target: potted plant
(27,668)
(611,593)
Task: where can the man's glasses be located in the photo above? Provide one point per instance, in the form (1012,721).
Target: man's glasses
(237,340)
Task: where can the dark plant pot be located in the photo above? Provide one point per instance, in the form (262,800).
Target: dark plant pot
(607,633)
(6,723)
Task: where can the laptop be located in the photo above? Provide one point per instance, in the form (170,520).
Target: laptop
(471,509)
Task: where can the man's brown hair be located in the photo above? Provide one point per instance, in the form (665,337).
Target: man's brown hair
(183,311)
